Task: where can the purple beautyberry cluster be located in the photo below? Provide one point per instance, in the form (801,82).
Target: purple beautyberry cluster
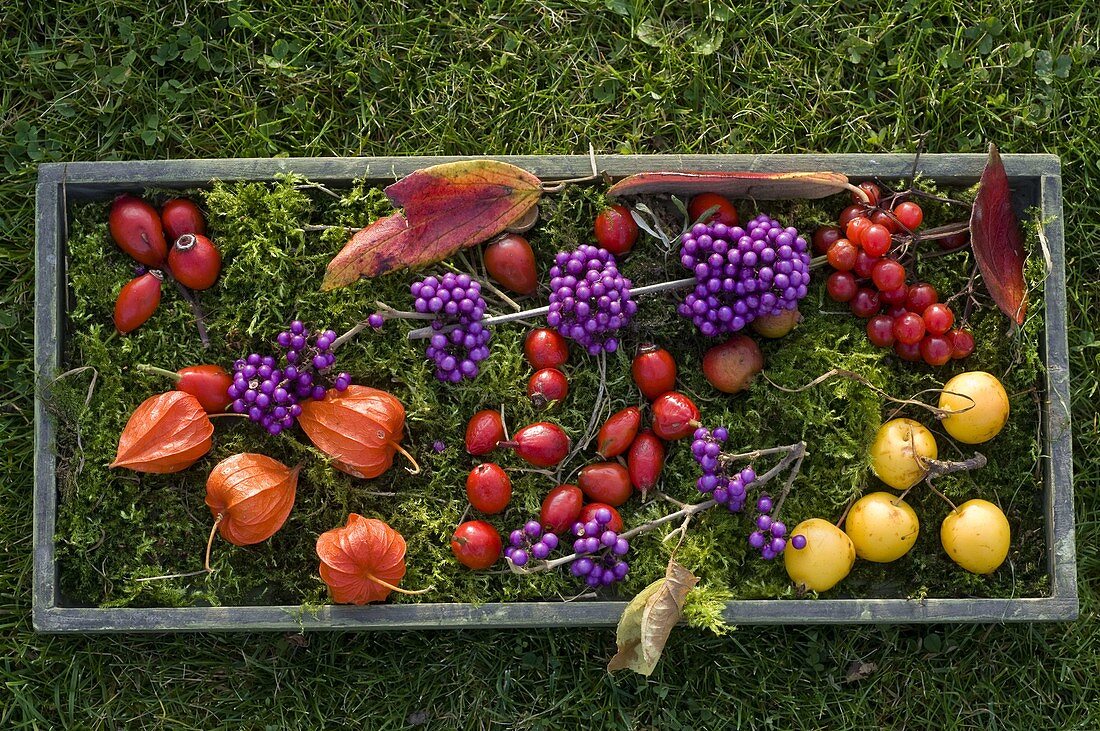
(601,550)
(770,536)
(742,274)
(529,542)
(456,301)
(589,299)
(728,488)
(270,391)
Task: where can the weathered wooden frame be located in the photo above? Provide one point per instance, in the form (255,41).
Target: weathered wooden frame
(1036,181)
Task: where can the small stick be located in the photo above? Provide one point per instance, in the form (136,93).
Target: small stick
(311,228)
(936,411)
(200,321)
(426,332)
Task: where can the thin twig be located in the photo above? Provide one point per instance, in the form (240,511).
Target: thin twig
(196,309)
(315,227)
(936,411)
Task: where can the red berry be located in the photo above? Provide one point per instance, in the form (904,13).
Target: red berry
(510,260)
(842,255)
(589,513)
(476,544)
(654,370)
(938,319)
(856,228)
(605,482)
(872,192)
(136,228)
(888,275)
(896,311)
(645,460)
(884,219)
(954,241)
(561,508)
(194,261)
(935,349)
(841,286)
(180,216)
(546,348)
(208,383)
(616,230)
(546,386)
(909,214)
(137,301)
(542,444)
(909,328)
(731,366)
(876,240)
(894,297)
(962,344)
(488,488)
(825,237)
(865,303)
(921,297)
(880,331)
(726,212)
(674,416)
(618,432)
(849,213)
(483,432)
(864,264)
(908,351)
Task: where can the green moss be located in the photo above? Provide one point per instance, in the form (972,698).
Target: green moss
(116,526)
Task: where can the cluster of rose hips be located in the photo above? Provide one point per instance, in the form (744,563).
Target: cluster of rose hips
(145,234)
(907,317)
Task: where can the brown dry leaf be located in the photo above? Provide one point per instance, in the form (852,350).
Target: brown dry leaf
(649,618)
(997,242)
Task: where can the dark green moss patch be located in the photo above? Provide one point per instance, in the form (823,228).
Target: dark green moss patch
(116,526)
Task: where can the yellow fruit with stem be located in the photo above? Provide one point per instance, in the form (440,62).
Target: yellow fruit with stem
(826,557)
(883,527)
(900,453)
(976,536)
(977,406)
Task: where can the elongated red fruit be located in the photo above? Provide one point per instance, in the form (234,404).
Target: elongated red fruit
(483,432)
(488,488)
(542,444)
(589,513)
(511,262)
(618,432)
(195,261)
(208,383)
(181,216)
(654,371)
(136,228)
(561,508)
(137,301)
(605,482)
(645,461)
(674,416)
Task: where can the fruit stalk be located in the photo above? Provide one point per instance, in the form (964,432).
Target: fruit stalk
(792,460)
(425,332)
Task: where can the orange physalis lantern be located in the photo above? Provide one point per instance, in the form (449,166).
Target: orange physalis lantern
(168,432)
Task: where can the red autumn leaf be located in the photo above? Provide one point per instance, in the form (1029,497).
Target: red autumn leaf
(447,207)
(359,427)
(762,186)
(168,432)
(997,241)
(362,561)
(366,253)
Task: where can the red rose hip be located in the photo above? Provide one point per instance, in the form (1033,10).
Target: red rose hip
(700,204)
(208,383)
(546,348)
(511,262)
(674,416)
(654,370)
(483,432)
(645,461)
(546,386)
(136,228)
(616,230)
(618,432)
(137,301)
(542,444)
(605,482)
(476,544)
(589,513)
(181,216)
(561,508)
(194,261)
(488,488)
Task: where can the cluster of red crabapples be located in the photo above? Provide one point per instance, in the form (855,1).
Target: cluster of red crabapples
(907,317)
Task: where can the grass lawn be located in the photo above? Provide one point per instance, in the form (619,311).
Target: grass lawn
(87,81)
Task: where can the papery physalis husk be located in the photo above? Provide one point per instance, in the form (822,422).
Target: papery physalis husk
(168,432)
(362,561)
